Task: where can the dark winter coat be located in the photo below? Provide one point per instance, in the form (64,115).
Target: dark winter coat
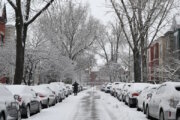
(75,87)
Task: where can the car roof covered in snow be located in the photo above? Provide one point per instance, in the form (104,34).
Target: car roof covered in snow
(139,86)
(172,83)
(18,89)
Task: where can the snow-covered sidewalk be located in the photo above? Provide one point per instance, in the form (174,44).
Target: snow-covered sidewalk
(89,105)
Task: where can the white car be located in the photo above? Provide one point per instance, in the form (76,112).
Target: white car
(108,87)
(144,97)
(60,88)
(27,98)
(119,91)
(55,90)
(124,91)
(114,88)
(46,96)
(69,88)
(9,107)
(164,101)
(133,92)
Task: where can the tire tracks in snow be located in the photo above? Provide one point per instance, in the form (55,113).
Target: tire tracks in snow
(87,109)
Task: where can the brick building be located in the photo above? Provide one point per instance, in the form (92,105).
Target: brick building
(3,21)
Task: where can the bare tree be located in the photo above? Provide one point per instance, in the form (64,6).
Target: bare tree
(71,29)
(141,21)
(109,44)
(23,19)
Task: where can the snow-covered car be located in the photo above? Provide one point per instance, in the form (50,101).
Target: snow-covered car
(47,97)
(124,91)
(69,88)
(145,96)
(114,88)
(103,87)
(61,87)
(27,98)
(164,101)
(9,107)
(56,90)
(119,91)
(133,92)
(108,87)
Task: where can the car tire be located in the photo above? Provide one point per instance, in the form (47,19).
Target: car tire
(28,112)
(60,100)
(2,117)
(19,115)
(138,109)
(161,115)
(178,117)
(129,104)
(39,108)
(147,113)
(144,110)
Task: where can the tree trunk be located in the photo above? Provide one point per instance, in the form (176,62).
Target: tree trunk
(19,50)
(137,65)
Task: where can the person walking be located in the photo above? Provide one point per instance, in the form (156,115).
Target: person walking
(75,86)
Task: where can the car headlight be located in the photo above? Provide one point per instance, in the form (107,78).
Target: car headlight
(173,102)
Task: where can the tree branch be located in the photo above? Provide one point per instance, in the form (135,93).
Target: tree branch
(39,13)
(12,4)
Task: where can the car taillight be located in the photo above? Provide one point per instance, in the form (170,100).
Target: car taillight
(41,95)
(135,94)
(169,114)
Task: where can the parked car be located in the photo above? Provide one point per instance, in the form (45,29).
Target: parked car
(69,88)
(124,90)
(9,107)
(108,87)
(47,97)
(114,88)
(27,98)
(62,90)
(164,101)
(133,92)
(56,91)
(103,87)
(119,91)
(144,97)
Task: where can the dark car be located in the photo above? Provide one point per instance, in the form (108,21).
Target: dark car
(9,107)
(27,98)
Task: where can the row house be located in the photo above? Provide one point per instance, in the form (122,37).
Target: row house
(161,52)
(3,21)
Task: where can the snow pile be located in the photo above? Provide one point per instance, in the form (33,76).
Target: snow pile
(112,109)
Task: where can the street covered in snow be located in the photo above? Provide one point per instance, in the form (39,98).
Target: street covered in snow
(90,104)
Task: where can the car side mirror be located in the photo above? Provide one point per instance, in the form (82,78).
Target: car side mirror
(16,97)
(36,94)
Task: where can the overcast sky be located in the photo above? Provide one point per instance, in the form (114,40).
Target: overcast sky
(100,10)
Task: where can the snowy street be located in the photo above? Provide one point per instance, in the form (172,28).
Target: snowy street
(89,105)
